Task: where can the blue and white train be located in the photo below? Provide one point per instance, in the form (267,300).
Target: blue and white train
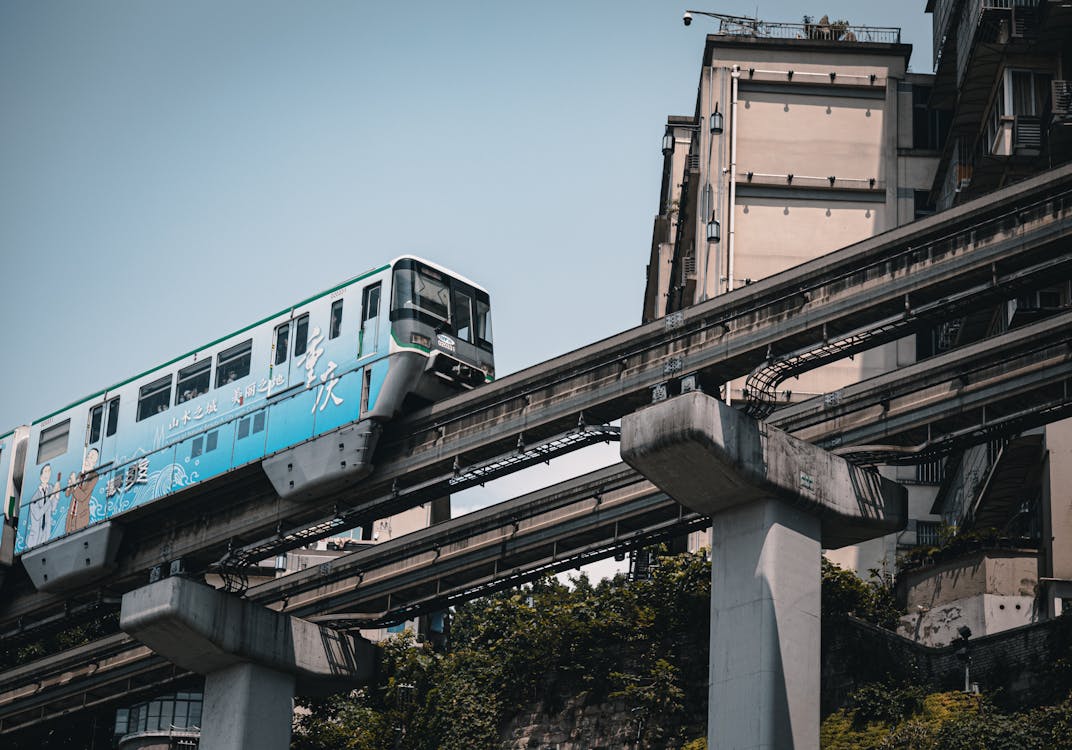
(329,369)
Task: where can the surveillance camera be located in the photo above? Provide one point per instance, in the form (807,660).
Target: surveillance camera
(687,18)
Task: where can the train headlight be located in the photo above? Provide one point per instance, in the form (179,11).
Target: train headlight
(420,340)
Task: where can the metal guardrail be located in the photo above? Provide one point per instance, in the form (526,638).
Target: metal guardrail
(835,31)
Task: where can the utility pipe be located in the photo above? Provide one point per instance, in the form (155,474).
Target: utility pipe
(736,76)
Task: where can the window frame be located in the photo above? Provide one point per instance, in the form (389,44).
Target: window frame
(95,424)
(111,425)
(149,397)
(335,320)
(231,355)
(370,310)
(189,373)
(301,343)
(280,343)
(50,436)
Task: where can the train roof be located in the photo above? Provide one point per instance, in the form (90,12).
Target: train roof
(265,319)
(438,267)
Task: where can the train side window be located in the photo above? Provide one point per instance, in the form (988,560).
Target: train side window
(113,417)
(251,425)
(336,320)
(301,335)
(53,441)
(483,323)
(154,398)
(233,364)
(370,302)
(206,444)
(463,316)
(193,381)
(96,421)
(282,339)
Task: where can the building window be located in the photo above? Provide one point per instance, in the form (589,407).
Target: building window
(174,711)
(928,533)
(193,381)
(233,364)
(53,441)
(1030,91)
(929,126)
(922,207)
(154,398)
(932,472)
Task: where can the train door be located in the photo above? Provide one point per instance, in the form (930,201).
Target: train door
(289,343)
(369,338)
(109,430)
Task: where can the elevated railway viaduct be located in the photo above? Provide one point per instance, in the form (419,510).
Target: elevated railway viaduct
(892,285)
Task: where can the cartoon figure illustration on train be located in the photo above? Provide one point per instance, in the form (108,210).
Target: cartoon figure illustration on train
(332,368)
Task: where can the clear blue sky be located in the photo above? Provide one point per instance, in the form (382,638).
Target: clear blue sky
(172,171)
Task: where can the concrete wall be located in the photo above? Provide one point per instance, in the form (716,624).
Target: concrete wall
(988,591)
(810,134)
(1057,500)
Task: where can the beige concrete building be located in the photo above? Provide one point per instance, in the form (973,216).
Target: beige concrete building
(806,138)
(809,137)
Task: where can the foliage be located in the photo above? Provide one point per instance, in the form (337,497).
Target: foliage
(954,543)
(880,703)
(845,593)
(637,641)
(69,637)
(946,721)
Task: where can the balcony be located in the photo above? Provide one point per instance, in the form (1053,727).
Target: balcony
(994,22)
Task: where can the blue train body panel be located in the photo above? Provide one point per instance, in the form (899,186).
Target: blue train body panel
(310,369)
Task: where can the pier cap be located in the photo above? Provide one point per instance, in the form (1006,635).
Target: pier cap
(710,457)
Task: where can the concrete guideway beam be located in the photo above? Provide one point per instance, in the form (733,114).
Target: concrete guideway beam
(774,503)
(254,658)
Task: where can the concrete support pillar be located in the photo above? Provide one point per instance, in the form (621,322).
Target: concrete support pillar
(254,659)
(775,503)
(762,687)
(247,705)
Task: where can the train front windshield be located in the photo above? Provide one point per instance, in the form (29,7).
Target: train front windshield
(443,302)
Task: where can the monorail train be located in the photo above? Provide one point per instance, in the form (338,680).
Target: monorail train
(395,338)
